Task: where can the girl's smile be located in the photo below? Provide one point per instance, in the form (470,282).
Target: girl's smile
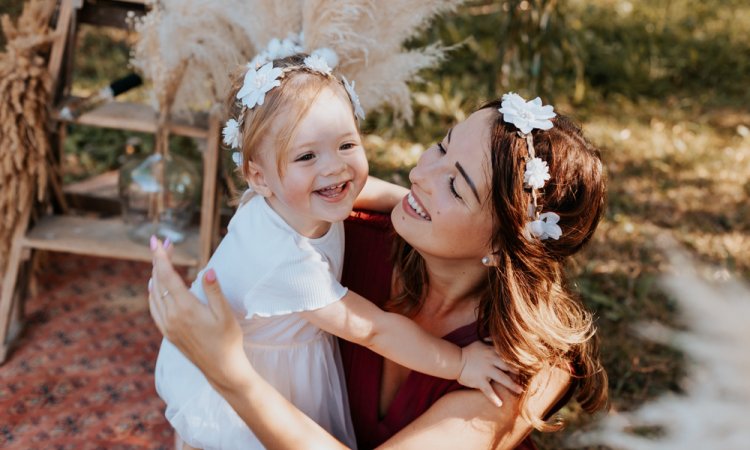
(324,171)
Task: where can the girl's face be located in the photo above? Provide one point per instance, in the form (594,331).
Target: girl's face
(447,214)
(324,171)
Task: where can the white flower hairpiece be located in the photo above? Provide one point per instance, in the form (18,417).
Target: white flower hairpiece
(328,55)
(277,49)
(536,173)
(257,83)
(528,116)
(262,76)
(545,226)
(237,158)
(358,111)
(318,64)
(232,134)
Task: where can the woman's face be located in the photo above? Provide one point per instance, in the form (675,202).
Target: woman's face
(447,213)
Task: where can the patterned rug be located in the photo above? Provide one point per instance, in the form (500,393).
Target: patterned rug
(82,375)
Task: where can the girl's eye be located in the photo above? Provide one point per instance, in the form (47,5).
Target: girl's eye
(347,146)
(452,184)
(305,157)
(441,148)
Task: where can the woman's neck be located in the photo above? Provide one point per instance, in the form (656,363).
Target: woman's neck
(453,290)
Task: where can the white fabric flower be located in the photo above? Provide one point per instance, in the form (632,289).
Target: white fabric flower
(318,64)
(328,55)
(257,83)
(358,111)
(259,60)
(545,227)
(237,158)
(526,116)
(282,48)
(231,133)
(536,173)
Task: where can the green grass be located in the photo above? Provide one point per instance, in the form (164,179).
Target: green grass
(659,85)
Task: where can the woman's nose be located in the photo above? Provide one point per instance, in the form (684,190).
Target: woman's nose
(420,174)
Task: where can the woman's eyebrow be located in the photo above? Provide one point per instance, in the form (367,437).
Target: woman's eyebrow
(468,180)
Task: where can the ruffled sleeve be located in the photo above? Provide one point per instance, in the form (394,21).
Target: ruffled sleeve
(303,283)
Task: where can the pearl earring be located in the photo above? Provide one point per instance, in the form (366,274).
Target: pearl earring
(487,261)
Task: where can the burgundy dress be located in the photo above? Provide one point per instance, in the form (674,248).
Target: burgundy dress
(367,271)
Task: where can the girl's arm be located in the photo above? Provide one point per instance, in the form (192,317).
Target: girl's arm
(379,195)
(399,339)
(211,338)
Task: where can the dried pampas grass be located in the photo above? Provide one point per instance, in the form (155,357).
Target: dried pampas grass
(185,47)
(214,36)
(382,78)
(712,411)
(24,100)
(368,37)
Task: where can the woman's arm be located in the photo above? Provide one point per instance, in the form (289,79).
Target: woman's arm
(210,337)
(379,195)
(399,339)
(464,419)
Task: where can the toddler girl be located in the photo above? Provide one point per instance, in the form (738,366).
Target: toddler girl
(281,260)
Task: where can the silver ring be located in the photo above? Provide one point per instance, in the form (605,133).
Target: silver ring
(165,293)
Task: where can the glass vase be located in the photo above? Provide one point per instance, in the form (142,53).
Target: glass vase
(159,195)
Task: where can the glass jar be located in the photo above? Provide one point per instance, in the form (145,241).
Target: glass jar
(159,195)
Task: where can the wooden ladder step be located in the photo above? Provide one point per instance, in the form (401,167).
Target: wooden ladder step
(135,117)
(102,237)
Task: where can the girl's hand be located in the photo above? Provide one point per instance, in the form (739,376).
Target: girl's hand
(208,335)
(480,366)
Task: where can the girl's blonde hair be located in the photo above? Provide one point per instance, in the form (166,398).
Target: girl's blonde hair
(274,123)
(525,307)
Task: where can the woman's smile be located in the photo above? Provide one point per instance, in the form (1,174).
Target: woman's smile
(413,206)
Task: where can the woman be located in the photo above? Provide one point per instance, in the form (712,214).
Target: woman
(474,257)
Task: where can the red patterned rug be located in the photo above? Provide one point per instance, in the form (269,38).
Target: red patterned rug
(82,375)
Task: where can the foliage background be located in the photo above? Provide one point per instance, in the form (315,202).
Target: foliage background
(659,85)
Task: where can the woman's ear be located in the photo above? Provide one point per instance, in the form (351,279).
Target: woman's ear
(257,180)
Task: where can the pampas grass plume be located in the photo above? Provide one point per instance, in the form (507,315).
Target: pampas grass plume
(713,410)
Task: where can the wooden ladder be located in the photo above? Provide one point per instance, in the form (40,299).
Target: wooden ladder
(63,232)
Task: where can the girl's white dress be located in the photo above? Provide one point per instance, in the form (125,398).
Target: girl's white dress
(269,273)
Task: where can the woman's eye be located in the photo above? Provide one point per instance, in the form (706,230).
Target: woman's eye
(452,184)
(441,148)
(305,157)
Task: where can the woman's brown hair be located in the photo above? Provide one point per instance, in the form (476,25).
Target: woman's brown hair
(534,320)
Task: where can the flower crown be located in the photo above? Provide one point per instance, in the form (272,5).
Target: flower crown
(262,76)
(527,116)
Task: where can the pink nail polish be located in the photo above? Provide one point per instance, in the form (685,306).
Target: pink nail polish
(210,275)
(166,243)
(154,243)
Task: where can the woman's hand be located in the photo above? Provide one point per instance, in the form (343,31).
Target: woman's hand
(481,365)
(208,335)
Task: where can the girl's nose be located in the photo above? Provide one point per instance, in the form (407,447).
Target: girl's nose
(334,164)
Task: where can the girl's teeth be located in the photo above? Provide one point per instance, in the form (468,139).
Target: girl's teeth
(415,206)
(332,190)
